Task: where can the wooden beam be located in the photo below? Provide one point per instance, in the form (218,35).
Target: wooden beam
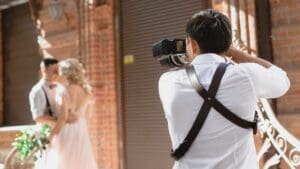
(263,27)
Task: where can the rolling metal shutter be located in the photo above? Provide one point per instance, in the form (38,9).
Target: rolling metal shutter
(143,23)
(20,62)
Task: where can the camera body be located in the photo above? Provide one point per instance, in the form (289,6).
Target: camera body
(170,53)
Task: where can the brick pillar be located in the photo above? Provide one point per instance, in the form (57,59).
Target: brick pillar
(286,50)
(99,58)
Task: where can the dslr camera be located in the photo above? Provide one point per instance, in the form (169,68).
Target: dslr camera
(170,53)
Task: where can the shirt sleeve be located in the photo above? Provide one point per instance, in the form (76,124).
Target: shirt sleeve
(166,88)
(37,103)
(269,82)
(162,87)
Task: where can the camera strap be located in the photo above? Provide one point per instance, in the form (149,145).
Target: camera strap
(209,102)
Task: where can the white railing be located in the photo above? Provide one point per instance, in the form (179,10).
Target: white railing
(276,137)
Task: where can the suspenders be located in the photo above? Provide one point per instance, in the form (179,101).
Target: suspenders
(209,102)
(48,107)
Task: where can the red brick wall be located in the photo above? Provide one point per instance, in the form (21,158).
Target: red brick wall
(286,44)
(61,35)
(101,68)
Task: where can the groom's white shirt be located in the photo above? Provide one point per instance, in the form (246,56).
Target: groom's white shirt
(220,143)
(37,98)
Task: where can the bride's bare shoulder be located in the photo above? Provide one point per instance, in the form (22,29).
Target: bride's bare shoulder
(60,89)
(79,90)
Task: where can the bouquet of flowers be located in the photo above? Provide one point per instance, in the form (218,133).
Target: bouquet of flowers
(32,140)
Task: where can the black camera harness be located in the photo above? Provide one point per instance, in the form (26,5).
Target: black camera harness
(210,101)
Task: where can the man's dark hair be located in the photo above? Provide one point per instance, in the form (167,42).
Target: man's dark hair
(46,62)
(211,30)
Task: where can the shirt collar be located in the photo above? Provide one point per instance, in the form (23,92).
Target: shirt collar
(44,82)
(208,58)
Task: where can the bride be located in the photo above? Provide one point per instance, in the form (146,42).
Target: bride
(70,146)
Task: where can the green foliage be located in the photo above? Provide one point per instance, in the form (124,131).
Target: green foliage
(30,140)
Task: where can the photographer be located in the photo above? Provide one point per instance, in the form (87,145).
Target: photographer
(220,144)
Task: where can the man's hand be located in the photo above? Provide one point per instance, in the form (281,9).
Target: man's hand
(240,57)
(50,120)
(72,118)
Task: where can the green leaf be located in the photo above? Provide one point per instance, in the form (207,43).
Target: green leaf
(27,141)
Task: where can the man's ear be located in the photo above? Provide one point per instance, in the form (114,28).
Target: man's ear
(195,47)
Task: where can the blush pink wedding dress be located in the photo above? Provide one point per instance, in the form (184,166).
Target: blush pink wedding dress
(71,148)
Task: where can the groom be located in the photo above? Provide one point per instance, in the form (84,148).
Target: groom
(42,95)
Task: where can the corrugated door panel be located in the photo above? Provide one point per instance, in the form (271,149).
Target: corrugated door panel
(20,62)
(143,23)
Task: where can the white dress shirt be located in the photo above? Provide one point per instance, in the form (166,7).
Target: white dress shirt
(220,144)
(37,98)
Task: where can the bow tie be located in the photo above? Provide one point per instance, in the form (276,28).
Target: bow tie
(51,86)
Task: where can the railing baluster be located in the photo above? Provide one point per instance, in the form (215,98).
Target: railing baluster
(276,136)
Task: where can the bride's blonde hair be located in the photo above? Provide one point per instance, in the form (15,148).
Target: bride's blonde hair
(74,72)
